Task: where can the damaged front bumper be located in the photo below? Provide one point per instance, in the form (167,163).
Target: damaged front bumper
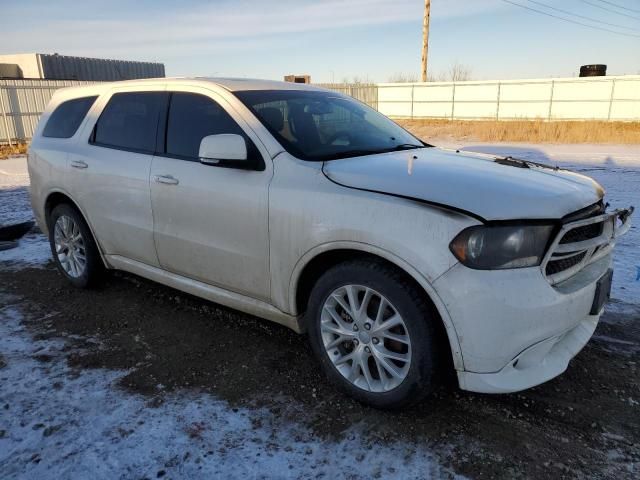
(519,328)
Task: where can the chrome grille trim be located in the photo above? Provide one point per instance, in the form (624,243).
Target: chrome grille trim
(614,224)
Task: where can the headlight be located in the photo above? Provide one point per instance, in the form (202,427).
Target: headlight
(485,247)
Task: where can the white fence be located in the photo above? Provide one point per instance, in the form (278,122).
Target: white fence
(591,98)
(596,98)
(21,104)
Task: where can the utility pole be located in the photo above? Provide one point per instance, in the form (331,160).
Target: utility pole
(425,38)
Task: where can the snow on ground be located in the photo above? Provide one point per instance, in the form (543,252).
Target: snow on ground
(33,250)
(15,207)
(57,422)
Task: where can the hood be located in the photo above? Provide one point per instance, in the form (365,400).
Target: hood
(486,186)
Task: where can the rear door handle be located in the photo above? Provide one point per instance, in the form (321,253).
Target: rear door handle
(79,164)
(166,179)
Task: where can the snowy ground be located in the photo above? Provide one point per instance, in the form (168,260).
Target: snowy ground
(15,207)
(60,423)
(58,420)
(14,204)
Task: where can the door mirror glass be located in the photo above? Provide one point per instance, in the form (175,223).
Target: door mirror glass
(222,147)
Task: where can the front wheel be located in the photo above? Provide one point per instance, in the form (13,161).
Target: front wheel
(373,332)
(74,251)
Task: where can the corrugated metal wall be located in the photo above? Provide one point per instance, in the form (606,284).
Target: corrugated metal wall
(593,98)
(22,102)
(63,67)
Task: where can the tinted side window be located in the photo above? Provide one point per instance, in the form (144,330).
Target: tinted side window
(130,121)
(67,117)
(191,118)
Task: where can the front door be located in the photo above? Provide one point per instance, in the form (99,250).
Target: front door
(210,222)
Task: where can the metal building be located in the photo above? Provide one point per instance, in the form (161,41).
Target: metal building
(63,67)
(297,78)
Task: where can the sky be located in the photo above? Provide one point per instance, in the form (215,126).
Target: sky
(332,40)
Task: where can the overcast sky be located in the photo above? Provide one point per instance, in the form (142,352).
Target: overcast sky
(331,39)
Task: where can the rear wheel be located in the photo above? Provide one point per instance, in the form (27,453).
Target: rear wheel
(74,251)
(373,332)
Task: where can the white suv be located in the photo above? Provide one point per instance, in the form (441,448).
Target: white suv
(308,208)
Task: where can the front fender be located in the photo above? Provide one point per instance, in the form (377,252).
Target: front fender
(397,261)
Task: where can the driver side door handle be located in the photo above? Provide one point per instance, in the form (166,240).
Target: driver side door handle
(79,164)
(166,179)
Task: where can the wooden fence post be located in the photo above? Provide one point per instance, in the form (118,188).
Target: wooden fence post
(613,88)
(412,90)
(453,101)
(551,100)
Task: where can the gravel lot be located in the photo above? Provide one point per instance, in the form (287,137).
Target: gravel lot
(135,380)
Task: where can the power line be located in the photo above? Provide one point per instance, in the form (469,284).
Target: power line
(581,16)
(571,21)
(609,10)
(620,6)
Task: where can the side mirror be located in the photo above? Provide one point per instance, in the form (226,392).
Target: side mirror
(222,147)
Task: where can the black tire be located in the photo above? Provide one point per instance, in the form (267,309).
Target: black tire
(94,268)
(409,301)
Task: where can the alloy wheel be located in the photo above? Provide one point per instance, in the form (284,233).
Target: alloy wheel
(365,338)
(70,246)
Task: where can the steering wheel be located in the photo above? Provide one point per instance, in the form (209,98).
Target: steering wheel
(337,135)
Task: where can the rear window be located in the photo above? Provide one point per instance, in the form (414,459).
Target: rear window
(130,121)
(65,120)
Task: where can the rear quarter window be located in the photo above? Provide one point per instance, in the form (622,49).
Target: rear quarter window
(130,121)
(67,117)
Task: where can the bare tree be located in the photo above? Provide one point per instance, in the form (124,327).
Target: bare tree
(459,72)
(437,77)
(400,77)
(357,80)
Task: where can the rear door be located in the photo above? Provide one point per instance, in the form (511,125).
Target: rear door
(211,221)
(48,157)
(110,172)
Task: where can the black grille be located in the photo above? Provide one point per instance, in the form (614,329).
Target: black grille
(586,232)
(557,266)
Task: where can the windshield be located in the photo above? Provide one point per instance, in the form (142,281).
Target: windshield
(324,125)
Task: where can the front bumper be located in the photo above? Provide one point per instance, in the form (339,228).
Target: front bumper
(521,327)
(514,328)
(537,364)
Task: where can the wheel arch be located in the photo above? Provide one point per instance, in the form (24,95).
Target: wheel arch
(57,197)
(316,261)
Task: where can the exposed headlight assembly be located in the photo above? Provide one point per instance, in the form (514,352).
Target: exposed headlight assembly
(490,247)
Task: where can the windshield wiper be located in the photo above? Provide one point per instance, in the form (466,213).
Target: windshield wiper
(360,153)
(406,146)
(348,154)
